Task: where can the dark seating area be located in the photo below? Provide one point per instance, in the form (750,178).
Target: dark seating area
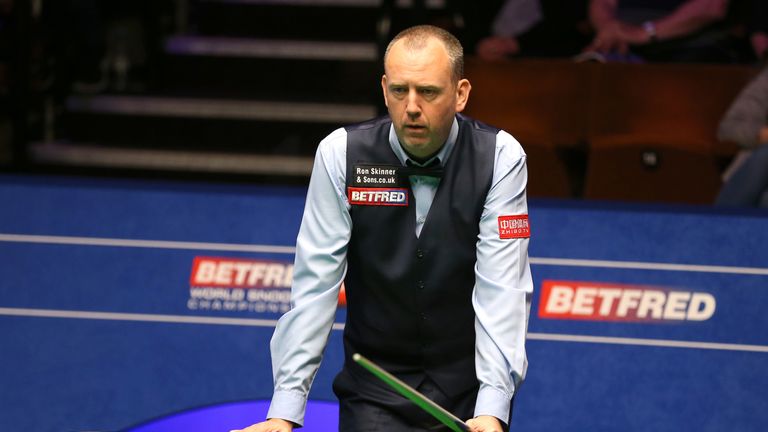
(635,132)
(383,215)
(245,90)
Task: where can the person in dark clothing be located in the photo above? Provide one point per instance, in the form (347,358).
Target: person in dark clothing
(746,124)
(536,28)
(663,30)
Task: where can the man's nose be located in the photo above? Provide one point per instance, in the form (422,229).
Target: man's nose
(413,108)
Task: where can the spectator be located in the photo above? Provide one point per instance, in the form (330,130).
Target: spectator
(102,45)
(745,123)
(663,30)
(536,28)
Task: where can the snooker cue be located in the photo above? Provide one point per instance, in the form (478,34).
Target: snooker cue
(423,402)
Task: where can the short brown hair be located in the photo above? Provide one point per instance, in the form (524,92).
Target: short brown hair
(417,37)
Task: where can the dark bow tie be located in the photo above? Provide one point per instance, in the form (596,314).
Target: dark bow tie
(433,169)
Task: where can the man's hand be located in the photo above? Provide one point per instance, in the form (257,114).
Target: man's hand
(485,423)
(271,425)
(617,37)
(497,48)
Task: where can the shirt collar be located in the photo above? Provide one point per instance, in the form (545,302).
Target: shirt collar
(442,155)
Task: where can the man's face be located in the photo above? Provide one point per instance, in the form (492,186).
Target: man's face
(421,96)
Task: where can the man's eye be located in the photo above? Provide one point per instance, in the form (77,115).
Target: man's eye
(429,92)
(398,90)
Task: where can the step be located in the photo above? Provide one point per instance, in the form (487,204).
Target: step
(313,3)
(301,21)
(432,4)
(257,137)
(264,127)
(220,109)
(213,46)
(274,69)
(95,156)
(200,134)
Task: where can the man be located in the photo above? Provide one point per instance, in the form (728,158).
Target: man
(423,215)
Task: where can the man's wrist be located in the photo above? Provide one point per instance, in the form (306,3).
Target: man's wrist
(288,405)
(487,423)
(284,422)
(493,402)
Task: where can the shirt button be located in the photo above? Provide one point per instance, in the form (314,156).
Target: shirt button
(423,317)
(419,253)
(420,285)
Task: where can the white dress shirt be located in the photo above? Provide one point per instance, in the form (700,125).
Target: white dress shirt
(501,296)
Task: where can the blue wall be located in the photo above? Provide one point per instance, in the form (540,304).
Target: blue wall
(100,332)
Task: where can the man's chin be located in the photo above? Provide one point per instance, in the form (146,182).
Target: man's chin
(417,139)
(415,145)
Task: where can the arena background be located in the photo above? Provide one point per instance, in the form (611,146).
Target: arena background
(101,331)
(154,156)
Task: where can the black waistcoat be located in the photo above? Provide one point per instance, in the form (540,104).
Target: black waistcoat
(409,299)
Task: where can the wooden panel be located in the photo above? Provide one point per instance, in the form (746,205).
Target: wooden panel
(644,168)
(534,100)
(682,102)
(547,172)
(541,103)
(615,113)
(653,131)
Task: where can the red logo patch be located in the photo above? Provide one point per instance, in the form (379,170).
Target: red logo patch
(514,227)
(378,196)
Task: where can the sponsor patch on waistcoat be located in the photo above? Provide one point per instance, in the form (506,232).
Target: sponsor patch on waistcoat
(514,227)
(378,196)
(371,175)
(377,184)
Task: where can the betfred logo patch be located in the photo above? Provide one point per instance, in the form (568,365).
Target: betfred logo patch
(616,302)
(514,227)
(378,196)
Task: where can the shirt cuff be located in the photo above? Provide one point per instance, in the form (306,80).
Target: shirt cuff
(494,402)
(288,405)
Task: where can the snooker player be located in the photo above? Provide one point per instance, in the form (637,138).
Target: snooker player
(422,214)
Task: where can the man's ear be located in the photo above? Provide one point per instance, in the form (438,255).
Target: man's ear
(462,94)
(384,89)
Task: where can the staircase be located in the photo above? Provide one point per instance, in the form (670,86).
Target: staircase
(243,87)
